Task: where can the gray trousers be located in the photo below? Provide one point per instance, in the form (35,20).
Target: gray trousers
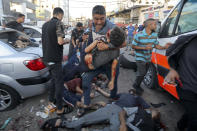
(108,113)
(142,68)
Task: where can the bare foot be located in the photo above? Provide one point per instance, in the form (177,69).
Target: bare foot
(111,85)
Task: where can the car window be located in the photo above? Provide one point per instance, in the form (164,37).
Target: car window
(16,40)
(32,33)
(169,25)
(188,18)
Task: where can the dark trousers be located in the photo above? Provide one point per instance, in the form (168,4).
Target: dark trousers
(71,50)
(189,118)
(56,88)
(142,68)
(87,78)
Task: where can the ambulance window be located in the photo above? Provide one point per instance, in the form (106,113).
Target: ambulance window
(188,18)
(169,25)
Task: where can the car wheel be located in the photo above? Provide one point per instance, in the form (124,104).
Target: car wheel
(150,79)
(9,98)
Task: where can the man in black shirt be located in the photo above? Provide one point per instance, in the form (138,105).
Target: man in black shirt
(182,60)
(52,45)
(17,25)
(76,34)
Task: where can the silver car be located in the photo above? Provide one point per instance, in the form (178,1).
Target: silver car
(22,72)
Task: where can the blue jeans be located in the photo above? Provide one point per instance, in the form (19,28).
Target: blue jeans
(109,113)
(129,42)
(87,78)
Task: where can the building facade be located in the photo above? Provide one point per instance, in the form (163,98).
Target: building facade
(138,11)
(12,7)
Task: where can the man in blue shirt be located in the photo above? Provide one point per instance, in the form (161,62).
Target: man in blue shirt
(130,29)
(143,44)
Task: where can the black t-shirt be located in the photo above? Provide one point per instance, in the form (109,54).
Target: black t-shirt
(15,25)
(52,51)
(188,67)
(129,100)
(76,34)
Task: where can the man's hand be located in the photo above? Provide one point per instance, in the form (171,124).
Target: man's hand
(167,45)
(171,77)
(149,47)
(102,46)
(111,85)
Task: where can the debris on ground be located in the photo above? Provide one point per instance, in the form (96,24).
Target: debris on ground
(5,123)
(41,114)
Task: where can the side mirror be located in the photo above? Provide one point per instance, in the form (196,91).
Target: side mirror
(158,30)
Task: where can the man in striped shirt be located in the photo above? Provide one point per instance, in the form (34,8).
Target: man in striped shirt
(143,44)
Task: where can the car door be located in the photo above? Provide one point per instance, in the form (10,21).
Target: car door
(181,21)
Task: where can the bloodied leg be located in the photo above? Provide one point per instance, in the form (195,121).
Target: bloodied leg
(113,74)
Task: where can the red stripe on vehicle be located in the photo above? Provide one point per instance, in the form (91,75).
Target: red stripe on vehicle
(168,87)
(160,60)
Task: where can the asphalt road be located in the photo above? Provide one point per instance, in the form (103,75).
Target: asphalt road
(24,116)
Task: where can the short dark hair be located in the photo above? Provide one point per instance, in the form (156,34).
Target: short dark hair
(79,24)
(117,36)
(20,15)
(146,22)
(99,9)
(57,11)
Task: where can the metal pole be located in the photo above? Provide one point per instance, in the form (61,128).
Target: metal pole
(68,12)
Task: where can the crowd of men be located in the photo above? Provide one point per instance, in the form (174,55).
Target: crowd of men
(94,51)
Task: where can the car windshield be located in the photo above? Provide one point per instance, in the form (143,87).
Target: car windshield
(16,40)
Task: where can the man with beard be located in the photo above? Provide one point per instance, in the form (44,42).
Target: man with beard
(143,44)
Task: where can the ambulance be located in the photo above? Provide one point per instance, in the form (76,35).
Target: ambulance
(182,20)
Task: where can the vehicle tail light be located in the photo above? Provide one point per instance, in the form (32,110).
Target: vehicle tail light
(35,65)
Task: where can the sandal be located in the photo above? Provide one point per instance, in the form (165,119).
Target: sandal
(67,109)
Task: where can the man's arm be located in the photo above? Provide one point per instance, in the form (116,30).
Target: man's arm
(122,116)
(91,46)
(171,77)
(60,33)
(113,74)
(102,92)
(163,47)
